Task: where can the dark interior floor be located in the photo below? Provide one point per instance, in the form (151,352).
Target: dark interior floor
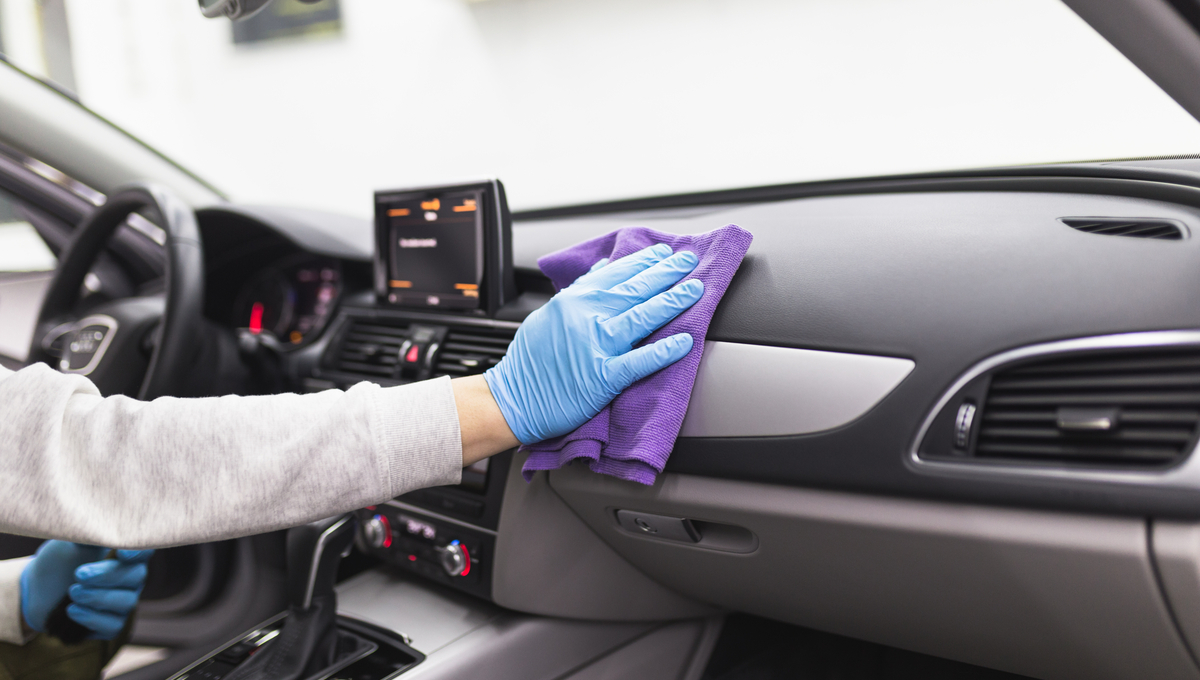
(753,648)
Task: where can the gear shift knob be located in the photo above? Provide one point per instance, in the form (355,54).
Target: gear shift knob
(314,551)
(308,640)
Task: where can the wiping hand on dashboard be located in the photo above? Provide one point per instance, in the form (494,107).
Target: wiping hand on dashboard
(121,472)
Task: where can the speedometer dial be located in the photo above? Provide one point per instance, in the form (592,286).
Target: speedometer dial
(291,300)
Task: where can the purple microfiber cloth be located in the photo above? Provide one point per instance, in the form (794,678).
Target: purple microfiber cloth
(632,437)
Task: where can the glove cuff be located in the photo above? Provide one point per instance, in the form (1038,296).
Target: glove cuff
(26,598)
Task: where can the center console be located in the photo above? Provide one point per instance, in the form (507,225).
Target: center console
(444,303)
(445,534)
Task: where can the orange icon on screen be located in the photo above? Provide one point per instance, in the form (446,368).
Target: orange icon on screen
(468,205)
(400,284)
(435,204)
(398,212)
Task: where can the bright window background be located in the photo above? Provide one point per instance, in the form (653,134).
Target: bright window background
(583,100)
(21,248)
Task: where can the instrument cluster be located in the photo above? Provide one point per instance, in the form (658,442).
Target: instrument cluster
(292,300)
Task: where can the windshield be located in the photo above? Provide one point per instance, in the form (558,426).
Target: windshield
(571,101)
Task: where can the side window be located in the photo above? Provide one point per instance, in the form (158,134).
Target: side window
(26,265)
(21,247)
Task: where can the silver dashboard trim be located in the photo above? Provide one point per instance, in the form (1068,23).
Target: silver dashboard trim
(1183,475)
(744,390)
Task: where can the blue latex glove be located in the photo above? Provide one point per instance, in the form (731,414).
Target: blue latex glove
(105,592)
(109,588)
(575,354)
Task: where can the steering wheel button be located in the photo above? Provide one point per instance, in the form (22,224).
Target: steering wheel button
(86,344)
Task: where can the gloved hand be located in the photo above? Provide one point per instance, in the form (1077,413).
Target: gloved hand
(575,354)
(102,591)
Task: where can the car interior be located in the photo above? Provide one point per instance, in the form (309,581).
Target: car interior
(943,427)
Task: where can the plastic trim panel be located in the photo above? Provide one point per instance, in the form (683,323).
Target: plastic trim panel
(759,391)
(1052,595)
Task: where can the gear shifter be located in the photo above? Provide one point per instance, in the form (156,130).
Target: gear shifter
(308,641)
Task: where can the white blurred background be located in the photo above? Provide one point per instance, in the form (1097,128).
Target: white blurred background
(570,101)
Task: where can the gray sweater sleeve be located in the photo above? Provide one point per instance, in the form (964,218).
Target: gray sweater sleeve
(123,473)
(10,600)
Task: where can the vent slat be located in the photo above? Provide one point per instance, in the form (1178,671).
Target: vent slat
(1077,453)
(1123,435)
(1146,399)
(471,352)
(381,361)
(462,347)
(370,348)
(1131,228)
(361,367)
(1097,399)
(1133,380)
(1128,416)
(477,339)
(1167,362)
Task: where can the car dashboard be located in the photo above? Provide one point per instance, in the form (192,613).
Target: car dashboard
(953,413)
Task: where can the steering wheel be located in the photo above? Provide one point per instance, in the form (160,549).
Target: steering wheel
(139,346)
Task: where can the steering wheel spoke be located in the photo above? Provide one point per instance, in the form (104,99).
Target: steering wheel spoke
(138,346)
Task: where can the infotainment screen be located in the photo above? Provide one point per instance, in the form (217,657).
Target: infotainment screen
(443,247)
(436,257)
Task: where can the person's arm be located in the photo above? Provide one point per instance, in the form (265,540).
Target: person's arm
(484,430)
(12,624)
(123,473)
(131,474)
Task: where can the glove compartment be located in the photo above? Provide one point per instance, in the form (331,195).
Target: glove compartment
(1044,594)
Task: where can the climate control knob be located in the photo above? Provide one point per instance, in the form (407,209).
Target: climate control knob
(455,559)
(378,532)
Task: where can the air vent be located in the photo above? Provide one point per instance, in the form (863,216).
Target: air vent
(1128,407)
(470,352)
(370,348)
(1166,230)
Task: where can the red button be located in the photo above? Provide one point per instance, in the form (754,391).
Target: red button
(414,353)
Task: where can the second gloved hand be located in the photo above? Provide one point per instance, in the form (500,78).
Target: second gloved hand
(575,354)
(106,592)
(48,575)
(103,591)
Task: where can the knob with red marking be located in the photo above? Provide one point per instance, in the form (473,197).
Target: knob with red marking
(455,559)
(378,532)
